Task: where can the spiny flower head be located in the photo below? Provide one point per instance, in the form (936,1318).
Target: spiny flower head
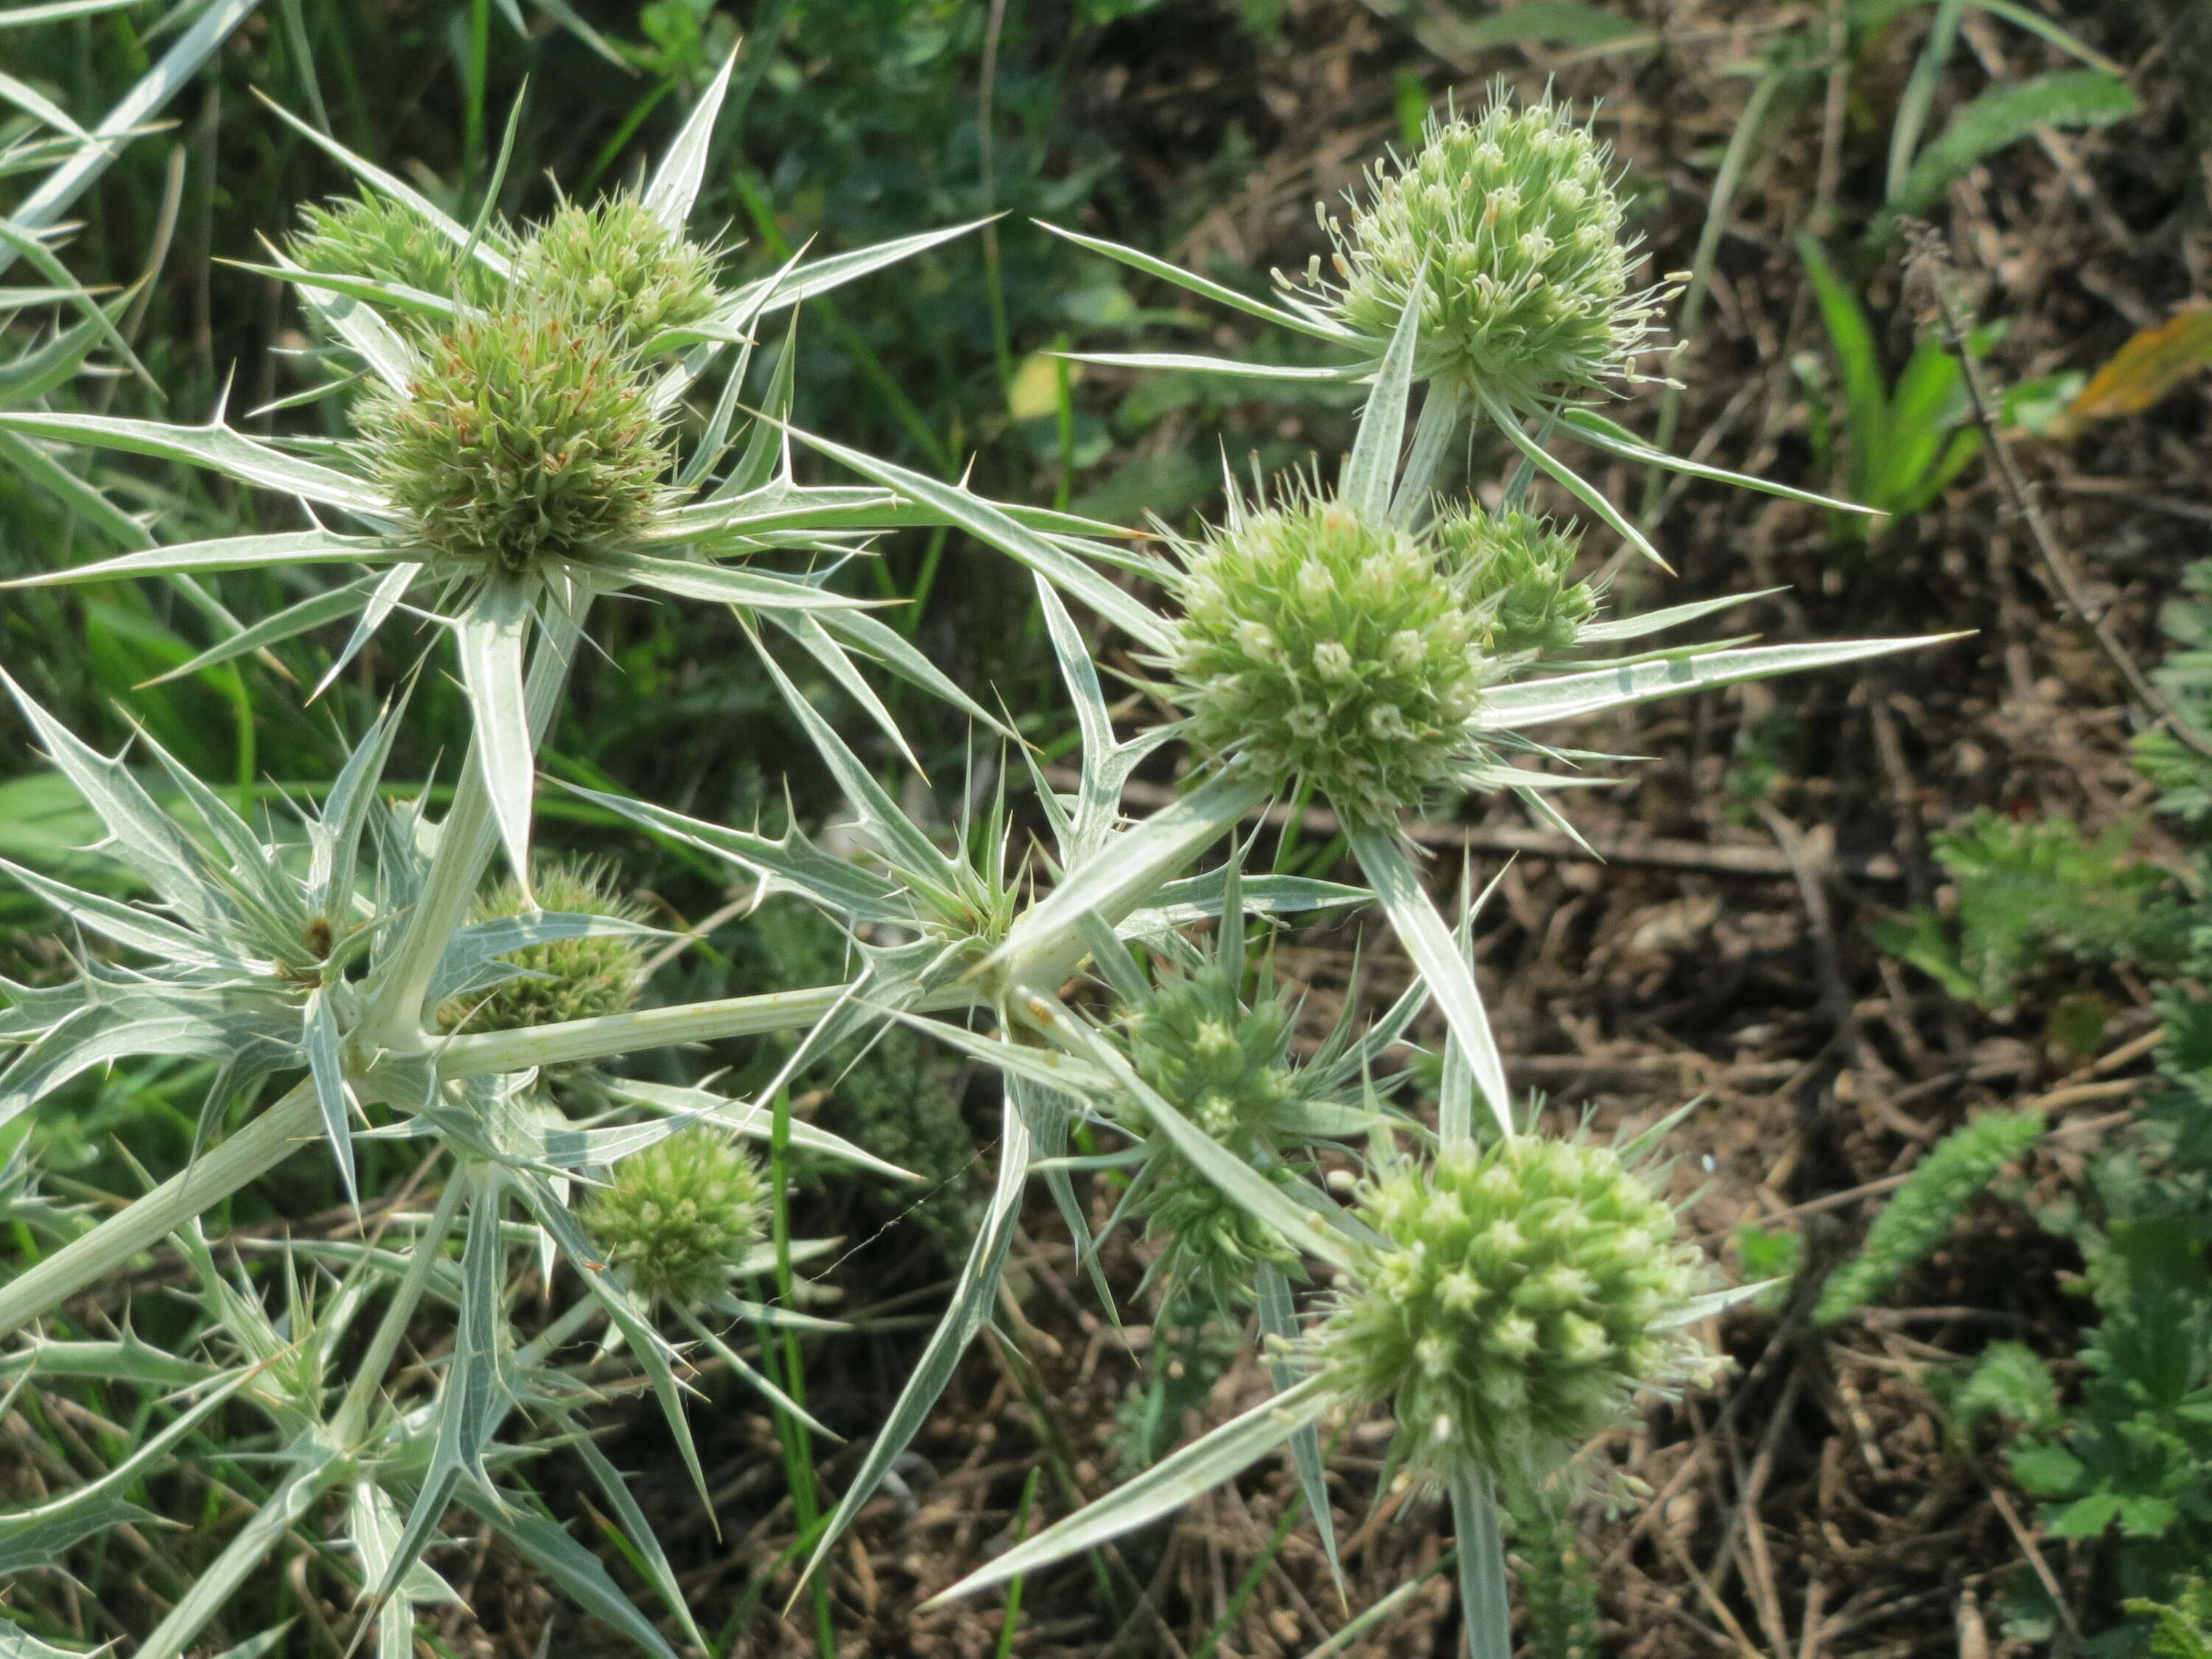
(615,266)
(373,236)
(1512,227)
(1226,1067)
(678,1219)
(1315,644)
(1523,1297)
(562,979)
(524,438)
(1520,566)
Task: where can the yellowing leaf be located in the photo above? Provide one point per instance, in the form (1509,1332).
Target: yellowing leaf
(1034,392)
(2145,369)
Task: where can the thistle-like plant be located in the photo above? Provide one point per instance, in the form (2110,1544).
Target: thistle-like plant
(521,402)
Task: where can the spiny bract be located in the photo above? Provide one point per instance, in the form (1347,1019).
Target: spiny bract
(1519,565)
(562,979)
(1315,644)
(615,266)
(1512,227)
(523,439)
(1523,1295)
(1224,1066)
(373,236)
(678,1219)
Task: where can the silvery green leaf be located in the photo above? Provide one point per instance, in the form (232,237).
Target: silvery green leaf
(1123,874)
(652,1353)
(332,1097)
(49,11)
(389,357)
(470,1402)
(125,924)
(1568,479)
(917,858)
(1198,898)
(789,862)
(259,1647)
(364,290)
(1432,436)
(373,1525)
(989,522)
(1049,1111)
(1211,291)
(279,551)
(675,182)
(131,1359)
(491,632)
(972,1297)
(1616,439)
(24,380)
(765,1387)
(215,448)
(1169,1485)
(46,204)
(775,293)
(1192,363)
(1714,1302)
(643,1542)
(66,289)
(1373,466)
(693,580)
(755,1121)
(314,611)
(1531,703)
(1304,1228)
(887,645)
(478,247)
(570,1565)
(1278,1320)
(16,1642)
(337,828)
(1098,798)
(1484,1603)
(1442,963)
(1652,622)
(391,587)
(818,645)
(315,1469)
(471,962)
(1041,1067)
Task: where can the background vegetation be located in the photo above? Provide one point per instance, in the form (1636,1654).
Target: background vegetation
(1930,949)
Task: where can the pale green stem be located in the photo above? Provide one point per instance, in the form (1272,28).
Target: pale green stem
(428,1249)
(579,1314)
(1043,947)
(466,841)
(567,1042)
(294,1121)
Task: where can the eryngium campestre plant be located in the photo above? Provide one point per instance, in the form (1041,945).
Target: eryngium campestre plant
(615,266)
(1226,1067)
(1524,1296)
(526,439)
(1316,643)
(1522,567)
(1511,227)
(372,236)
(584,978)
(679,1218)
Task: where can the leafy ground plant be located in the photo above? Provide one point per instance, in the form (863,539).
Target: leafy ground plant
(534,417)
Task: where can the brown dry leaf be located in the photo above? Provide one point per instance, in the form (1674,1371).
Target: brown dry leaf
(2147,367)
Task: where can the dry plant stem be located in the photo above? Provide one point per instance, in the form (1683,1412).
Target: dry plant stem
(2057,564)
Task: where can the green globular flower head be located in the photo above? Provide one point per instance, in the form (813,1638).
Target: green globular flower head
(373,236)
(1519,565)
(1512,226)
(561,979)
(1226,1067)
(523,439)
(1522,1297)
(614,266)
(1315,644)
(678,1219)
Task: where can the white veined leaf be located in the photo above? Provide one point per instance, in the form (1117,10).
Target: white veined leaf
(390,358)
(1166,1486)
(1484,1607)
(714,582)
(1429,942)
(228,553)
(785,288)
(1531,703)
(1278,1320)
(1373,466)
(314,611)
(676,181)
(972,1297)
(640,1534)
(755,1121)
(566,1562)
(1653,622)
(1617,440)
(216,447)
(1196,284)
(1194,364)
(327,1070)
(490,634)
(1572,481)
